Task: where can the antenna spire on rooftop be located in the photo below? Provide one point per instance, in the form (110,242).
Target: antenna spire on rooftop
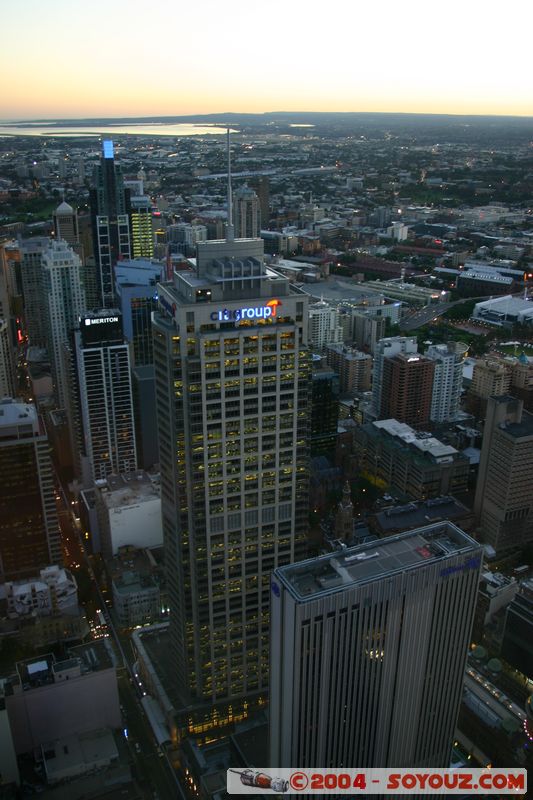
(230,234)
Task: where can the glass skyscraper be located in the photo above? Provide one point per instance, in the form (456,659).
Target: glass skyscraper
(110,215)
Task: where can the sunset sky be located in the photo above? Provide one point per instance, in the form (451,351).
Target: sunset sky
(136,58)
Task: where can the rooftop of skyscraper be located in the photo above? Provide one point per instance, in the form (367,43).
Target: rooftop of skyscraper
(386,557)
(519,430)
(14,414)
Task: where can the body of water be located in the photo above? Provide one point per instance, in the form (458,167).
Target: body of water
(141,129)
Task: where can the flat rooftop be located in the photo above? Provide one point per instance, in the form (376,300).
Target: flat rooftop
(128,489)
(82,752)
(424,442)
(94,655)
(13,414)
(365,563)
(421,513)
(519,430)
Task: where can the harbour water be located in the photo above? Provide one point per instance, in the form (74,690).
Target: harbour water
(134,129)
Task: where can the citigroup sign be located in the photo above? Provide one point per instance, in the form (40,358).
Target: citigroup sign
(236,314)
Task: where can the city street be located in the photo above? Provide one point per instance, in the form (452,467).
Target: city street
(151,766)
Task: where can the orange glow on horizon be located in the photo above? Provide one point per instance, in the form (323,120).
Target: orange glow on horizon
(123,58)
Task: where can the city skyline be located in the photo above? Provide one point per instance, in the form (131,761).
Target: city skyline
(412,61)
(268,419)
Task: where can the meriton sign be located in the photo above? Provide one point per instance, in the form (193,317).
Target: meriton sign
(234,315)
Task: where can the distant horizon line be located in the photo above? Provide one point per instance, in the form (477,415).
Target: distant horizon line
(257,114)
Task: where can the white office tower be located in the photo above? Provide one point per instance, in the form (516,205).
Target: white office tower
(247,213)
(386,348)
(103,397)
(63,301)
(324,326)
(368,651)
(447,380)
(232,371)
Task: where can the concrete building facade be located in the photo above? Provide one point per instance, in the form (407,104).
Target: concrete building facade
(29,530)
(386,348)
(129,512)
(368,651)
(407,387)
(233,378)
(416,464)
(504,502)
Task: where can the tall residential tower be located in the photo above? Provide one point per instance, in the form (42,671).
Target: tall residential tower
(101,400)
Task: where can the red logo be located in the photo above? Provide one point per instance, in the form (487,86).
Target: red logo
(273,304)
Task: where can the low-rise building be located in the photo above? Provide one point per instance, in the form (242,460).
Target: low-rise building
(78,754)
(47,699)
(129,512)
(137,581)
(392,454)
(409,293)
(55,590)
(496,591)
(400,518)
(504,311)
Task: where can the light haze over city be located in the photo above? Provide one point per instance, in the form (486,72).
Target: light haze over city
(131,59)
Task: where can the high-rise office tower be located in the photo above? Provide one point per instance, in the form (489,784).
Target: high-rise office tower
(385,348)
(136,290)
(490,377)
(7,363)
(503,502)
(80,171)
(368,651)
(447,380)
(7,334)
(324,410)
(233,404)
(110,213)
(406,389)
(31,255)
(247,214)
(66,224)
(29,532)
(62,167)
(63,300)
(142,233)
(101,402)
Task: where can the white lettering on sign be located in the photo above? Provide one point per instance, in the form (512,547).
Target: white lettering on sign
(100,320)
